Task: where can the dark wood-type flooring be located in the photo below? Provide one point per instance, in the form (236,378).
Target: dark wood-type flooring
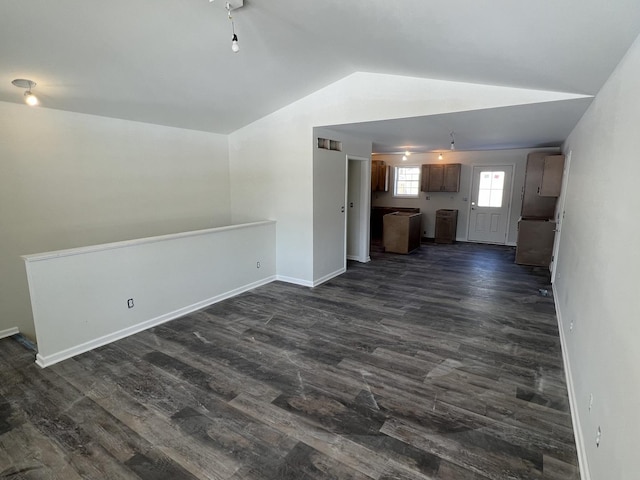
(443,364)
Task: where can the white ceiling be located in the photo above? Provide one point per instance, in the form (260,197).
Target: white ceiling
(524,126)
(169,62)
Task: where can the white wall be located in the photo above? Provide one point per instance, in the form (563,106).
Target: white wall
(271,160)
(79,296)
(69,180)
(438,200)
(329,196)
(597,287)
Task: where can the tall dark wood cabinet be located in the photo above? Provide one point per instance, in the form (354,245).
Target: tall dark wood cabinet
(446,226)
(536,229)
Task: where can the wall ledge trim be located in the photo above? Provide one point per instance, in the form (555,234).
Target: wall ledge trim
(46,361)
(573,401)
(36,257)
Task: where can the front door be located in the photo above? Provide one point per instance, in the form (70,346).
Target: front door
(490,204)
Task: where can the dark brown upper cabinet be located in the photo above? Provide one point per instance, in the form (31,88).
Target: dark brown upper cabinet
(441,177)
(542,183)
(551,182)
(379,176)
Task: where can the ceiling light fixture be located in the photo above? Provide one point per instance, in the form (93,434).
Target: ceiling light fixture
(440,157)
(235,48)
(407,153)
(29,98)
(453,141)
(404,158)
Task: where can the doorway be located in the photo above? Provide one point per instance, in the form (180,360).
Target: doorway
(490,204)
(358,208)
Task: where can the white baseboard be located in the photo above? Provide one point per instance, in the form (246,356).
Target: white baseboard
(8,332)
(358,259)
(48,360)
(295,281)
(585,474)
(328,277)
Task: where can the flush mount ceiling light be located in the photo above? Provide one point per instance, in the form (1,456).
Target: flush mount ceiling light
(453,141)
(29,98)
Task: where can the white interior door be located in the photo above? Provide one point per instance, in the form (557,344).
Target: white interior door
(490,203)
(559,218)
(353,209)
(358,208)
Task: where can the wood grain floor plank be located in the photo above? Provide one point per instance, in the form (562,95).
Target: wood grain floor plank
(444,364)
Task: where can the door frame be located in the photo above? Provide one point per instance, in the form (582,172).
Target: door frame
(363,212)
(559,216)
(508,225)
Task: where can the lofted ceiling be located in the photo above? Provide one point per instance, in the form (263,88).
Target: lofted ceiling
(169,62)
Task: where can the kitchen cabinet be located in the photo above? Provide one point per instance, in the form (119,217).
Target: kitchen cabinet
(379,176)
(551,176)
(441,177)
(378,213)
(535,242)
(536,231)
(539,166)
(401,232)
(446,225)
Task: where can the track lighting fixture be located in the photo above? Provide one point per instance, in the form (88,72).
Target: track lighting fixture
(29,98)
(453,141)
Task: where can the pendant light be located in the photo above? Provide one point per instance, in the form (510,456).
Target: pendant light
(235,48)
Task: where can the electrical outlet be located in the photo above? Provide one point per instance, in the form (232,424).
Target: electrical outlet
(130,303)
(590,401)
(571,326)
(257,264)
(598,437)
(428,197)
